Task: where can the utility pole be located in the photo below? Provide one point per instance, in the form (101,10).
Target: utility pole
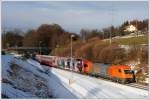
(71,79)
(71,52)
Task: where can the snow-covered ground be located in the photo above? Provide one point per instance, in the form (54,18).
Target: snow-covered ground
(24,80)
(89,87)
(57,83)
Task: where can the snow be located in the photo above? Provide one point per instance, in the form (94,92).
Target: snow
(17,55)
(53,84)
(9,91)
(5,64)
(57,82)
(17,77)
(35,63)
(59,88)
(95,88)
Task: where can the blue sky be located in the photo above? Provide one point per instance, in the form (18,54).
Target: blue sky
(72,16)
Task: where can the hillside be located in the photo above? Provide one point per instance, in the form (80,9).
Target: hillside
(100,50)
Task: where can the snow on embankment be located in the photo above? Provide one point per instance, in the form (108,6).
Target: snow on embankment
(35,63)
(58,87)
(9,91)
(19,82)
(89,87)
(23,80)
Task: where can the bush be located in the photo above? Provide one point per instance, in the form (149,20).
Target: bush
(144,56)
(133,53)
(96,51)
(141,78)
(140,53)
(26,55)
(85,51)
(112,54)
(33,55)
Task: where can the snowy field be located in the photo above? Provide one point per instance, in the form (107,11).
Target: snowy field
(56,83)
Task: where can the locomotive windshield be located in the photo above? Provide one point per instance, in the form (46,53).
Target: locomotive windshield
(128,71)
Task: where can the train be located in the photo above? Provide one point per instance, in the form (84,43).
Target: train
(119,73)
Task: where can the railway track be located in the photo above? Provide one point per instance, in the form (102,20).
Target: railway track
(144,87)
(135,85)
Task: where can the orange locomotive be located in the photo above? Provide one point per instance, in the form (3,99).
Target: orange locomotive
(119,73)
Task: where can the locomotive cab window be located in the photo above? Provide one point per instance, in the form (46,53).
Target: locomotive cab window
(128,72)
